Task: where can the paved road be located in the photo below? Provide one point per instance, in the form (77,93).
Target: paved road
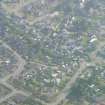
(95,60)
(68,86)
(14,92)
(47,16)
(20,63)
(64,92)
(18,8)
(7,97)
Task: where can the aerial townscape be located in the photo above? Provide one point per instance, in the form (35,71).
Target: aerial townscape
(52,52)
